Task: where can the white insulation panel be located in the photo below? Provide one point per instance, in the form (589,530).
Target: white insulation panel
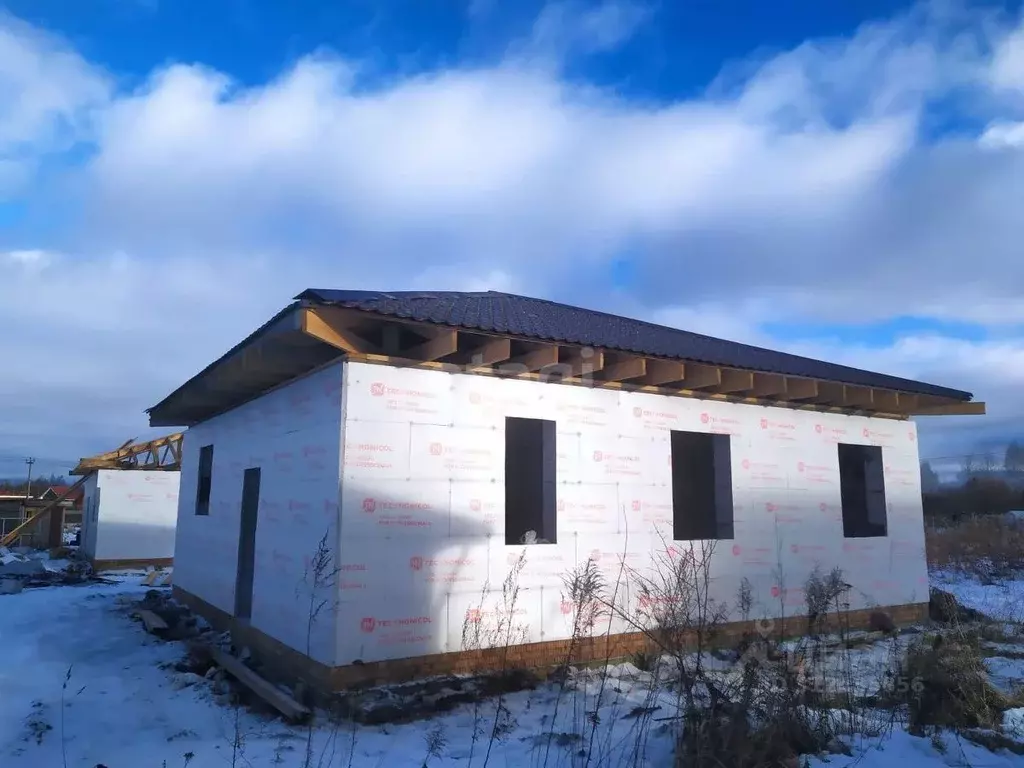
(423,554)
(293,434)
(130,515)
(400,473)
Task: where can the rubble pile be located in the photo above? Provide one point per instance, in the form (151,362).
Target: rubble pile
(22,567)
(179,623)
(209,662)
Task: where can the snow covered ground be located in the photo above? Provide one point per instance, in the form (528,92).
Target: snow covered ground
(83,685)
(1003,601)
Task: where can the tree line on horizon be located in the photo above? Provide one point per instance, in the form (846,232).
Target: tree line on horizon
(12,487)
(984,485)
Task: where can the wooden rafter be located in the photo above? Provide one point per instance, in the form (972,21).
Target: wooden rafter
(161,453)
(445,343)
(860,397)
(630,368)
(349,332)
(736,381)
(586,362)
(699,376)
(661,372)
(831,393)
(492,351)
(768,385)
(334,328)
(799,389)
(535,360)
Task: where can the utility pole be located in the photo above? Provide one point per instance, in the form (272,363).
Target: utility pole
(28,488)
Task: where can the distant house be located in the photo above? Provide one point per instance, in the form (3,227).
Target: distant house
(129,518)
(73,500)
(12,511)
(425,442)
(72,504)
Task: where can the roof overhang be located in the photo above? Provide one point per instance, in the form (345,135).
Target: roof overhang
(306,336)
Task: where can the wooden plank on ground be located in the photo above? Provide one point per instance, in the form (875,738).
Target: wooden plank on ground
(279,700)
(151,621)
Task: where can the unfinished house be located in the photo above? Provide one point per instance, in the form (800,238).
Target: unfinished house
(129,507)
(392,458)
(130,504)
(129,518)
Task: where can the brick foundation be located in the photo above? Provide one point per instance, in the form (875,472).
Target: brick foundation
(287,665)
(130,565)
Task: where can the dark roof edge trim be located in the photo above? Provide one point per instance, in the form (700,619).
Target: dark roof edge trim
(264,330)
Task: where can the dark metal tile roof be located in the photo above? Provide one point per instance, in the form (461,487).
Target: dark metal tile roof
(530,318)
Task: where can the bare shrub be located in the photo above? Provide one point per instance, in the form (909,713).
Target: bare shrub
(775,699)
(943,683)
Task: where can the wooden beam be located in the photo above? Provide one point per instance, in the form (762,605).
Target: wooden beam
(153,623)
(952,409)
(444,344)
(493,351)
(735,381)
(660,372)
(699,376)
(800,389)
(874,399)
(531,361)
(860,397)
(903,402)
(630,368)
(318,324)
(275,697)
(768,384)
(831,392)
(584,365)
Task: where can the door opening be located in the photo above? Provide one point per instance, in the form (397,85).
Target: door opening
(247,543)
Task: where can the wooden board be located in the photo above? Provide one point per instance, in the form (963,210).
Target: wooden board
(151,621)
(279,700)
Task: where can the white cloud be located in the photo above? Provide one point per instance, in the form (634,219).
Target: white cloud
(47,93)
(1008,63)
(1002,135)
(799,188)
(569,27)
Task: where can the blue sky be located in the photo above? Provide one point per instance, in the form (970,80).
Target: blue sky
(836,179)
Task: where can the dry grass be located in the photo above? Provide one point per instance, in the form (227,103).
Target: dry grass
(989,546)
(949,686)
